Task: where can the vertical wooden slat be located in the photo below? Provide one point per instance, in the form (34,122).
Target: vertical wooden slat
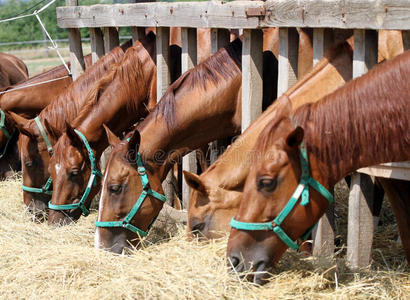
(252,69)
(76,49)
(137,33)
(111,38)
(163,81)
(219,39)
(323,234)
(406,39)
(188,61)
(288,59)
(97,44)
(360,217)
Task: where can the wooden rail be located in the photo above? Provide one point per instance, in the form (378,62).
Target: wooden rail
(362,15)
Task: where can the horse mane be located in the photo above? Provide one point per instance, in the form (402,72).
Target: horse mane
(127,71)
(224,64)
(67,104)
(363,121)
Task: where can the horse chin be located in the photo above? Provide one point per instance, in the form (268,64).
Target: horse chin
(115,240)
(38,209)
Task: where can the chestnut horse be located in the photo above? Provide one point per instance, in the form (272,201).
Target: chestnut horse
(35,149)
(12,70)
(363,123)
(120,99)
(216,193)
(201,106)
(27,99)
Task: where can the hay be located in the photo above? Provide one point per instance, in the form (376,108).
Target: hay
(38,262)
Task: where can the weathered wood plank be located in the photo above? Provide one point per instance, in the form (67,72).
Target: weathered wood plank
(97,44)
(360,218)
(389,170)
(75,48)
(252,81)
(188,61)
(111,38)
(219,38)
(288,59)
(178,14)
(323,234)
(372,14)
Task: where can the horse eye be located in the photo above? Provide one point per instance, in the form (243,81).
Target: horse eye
(267,184)
(28,163)
(74,172)
(115,189)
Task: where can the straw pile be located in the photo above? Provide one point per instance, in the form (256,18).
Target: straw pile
(38,262)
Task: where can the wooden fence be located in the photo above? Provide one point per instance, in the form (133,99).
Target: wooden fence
(364,16)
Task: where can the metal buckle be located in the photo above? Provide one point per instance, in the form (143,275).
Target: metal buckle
(141,170)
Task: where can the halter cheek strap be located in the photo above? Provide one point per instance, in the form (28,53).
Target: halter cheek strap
(46,189)
(302,191)
(146,190)
(92,181)
(6,133)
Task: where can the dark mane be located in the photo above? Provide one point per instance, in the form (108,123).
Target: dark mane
(67,104)
(224,64)
(126,75)
(363,121)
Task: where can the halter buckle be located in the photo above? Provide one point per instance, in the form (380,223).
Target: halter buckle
(141,170)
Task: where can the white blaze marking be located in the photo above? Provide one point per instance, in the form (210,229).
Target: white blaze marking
(100,208)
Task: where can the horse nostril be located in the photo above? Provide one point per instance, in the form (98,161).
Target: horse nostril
(234,261)
(198,227)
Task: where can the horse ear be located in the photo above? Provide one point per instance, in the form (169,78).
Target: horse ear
(73,136)
(21,125)
(295,138)
(194,181)
(53,132)
(134,142)
(113,140)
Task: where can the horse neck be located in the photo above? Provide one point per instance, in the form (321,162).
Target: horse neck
(70,101)
(200,117)
(128,97)
(232,169)
(363,123)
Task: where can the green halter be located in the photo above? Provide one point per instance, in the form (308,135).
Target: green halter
(46,188)
(301,190)
(146,190)
(92,181)
(5,132)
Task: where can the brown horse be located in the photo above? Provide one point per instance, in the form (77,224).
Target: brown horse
(33,150)
(12,70)
(201,106)
(363,123)
(216,193)
(27,99)
(120,99)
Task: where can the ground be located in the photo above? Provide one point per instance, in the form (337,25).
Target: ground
(39,262)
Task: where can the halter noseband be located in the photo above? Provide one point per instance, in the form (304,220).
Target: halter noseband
(91,181)
(5,132)
(301,190)
(146,190)
(46,187)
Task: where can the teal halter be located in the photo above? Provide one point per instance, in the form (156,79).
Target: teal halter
(46,187)
(301,190)
(92,181)
(146,190)
(5,132)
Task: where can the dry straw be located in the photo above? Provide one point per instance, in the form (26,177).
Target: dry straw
(38,262)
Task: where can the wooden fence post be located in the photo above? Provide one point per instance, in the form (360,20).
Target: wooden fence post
(360,217)
(188,61)
(97,44)
(111,38)
(323,233)
(252,70)
(288,59)
(137,33)
(219,39)
(163,81)
(76,49)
